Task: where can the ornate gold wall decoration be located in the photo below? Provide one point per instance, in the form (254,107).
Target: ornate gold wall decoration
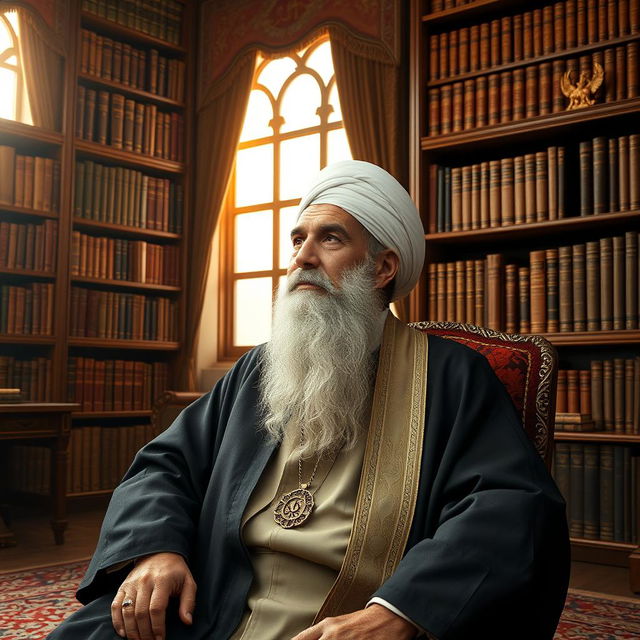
(582,94)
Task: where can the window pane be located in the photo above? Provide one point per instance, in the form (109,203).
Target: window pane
(338,146)
(254,175)
(299,104)
(259,113)
(254,241)
(299,163)
(320,60)
(252,311)
(8,81)
(287,222)
(275,73)
(334,101)
(6,41)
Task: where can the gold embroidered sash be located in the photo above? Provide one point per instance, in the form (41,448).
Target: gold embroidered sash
(390,473)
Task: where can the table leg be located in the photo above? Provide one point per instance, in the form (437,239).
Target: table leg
(59,453)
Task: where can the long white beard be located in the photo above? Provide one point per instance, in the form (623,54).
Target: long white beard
(318,368)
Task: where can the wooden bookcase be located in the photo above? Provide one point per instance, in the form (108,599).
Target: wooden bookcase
(463,144)
(104,435)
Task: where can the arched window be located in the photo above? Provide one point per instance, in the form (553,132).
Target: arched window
(292,129)
(14,103)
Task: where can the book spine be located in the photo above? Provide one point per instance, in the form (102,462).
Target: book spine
(553,291)
(565,278)
(538,292)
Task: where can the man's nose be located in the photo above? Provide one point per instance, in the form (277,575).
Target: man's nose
(307,256)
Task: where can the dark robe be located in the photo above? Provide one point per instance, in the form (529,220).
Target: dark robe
(488,552)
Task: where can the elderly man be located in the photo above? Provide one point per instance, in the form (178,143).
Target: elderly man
(351,479)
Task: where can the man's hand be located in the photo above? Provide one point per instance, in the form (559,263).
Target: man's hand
(373,623)
(149,585)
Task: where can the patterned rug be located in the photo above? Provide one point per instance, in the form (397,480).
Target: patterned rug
(31,603)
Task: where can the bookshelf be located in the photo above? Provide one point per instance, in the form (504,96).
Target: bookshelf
(121,179)
(532,212)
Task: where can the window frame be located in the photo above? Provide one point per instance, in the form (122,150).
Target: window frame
(14,50)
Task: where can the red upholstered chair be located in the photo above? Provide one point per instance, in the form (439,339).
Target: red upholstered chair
(526,365)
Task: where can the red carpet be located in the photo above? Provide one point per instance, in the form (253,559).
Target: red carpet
(34,602)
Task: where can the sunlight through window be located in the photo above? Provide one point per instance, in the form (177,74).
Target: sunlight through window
(14,104)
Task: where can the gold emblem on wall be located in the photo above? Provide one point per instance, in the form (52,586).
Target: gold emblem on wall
(582,94)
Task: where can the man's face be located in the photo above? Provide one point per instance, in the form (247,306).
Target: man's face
(327,238)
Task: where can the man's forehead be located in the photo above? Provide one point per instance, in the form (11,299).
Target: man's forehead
(322,213)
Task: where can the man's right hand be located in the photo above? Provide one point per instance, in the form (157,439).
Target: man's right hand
(149,585)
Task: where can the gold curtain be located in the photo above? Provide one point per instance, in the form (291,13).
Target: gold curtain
(218,127)
(43,73)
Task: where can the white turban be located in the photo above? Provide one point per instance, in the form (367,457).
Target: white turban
(381,205)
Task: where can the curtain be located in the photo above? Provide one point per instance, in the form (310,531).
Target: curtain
(43,73)
(218,127)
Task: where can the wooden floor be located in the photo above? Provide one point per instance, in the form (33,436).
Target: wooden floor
(36,548)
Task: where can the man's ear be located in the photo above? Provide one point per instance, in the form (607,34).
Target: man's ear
(387,264)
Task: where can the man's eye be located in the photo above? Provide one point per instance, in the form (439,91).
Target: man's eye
(332,238)
(296,242)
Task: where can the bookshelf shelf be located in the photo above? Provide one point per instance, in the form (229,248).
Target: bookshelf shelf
(565,53)
(593,338)
(120,31)
(469,10)
(18,212)
(150,345)
(86,415)
(21,339)
(128,158)
(596,436)
(16,132)
(147,96)
(28,273)
(123,231)
(525,130)
(124,284)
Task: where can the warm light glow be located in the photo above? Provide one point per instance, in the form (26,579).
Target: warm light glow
(259,114)
(321,61)
(287,222)
(275,73)
(254,241)
(8,82)
(299,164)
(334,101)
(300,103)
(14,101)
(338,146)
(254,175)
(252,312)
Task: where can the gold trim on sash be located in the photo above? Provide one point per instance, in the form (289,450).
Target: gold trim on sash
(390,473)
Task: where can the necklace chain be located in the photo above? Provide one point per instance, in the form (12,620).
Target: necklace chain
(305,485)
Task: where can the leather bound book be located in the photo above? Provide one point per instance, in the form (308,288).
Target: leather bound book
(456,199)
(636,397)
(518,41)
(434,112)
(29,182)
(542,187)
(633,79)
(519,194)
(623,17)
(494,98)
(547,30)
(463,55)
(538,291)
(138,127)
(506,39)
(571,36)
(474,47)
(559,26)
(530,186)
(584,385)
(461,295)
(445,109)
(561,472)
(495,211)
(612,19)
(506,97)
(107,58)
(116,64)
(481,101)
(440,199)
(557,97)
(624,187)
(485,195)
(561,393)
(545,82)
(607,395)
(631,280)
(553,291)
(603,30)
(454,68)
(436,5)
(80,111)
(613,177)
(511,298)
(507,192)
(495,291)
(479,299)
(519,109)
(591,491)
(609,75)
(443,61)
(89,114)
(458,101)
(441,295)
(126,64)
(606,283)
(485,41)
(576,515)
(552,174)
(466,198)
(495,49)
(117,120)
(592,21)
(562,180)
(451,292)
(531,91)
(432,291)
(579,287)
(475,196)
(586,177)
(621,73)
(434,59)
(628,395)
(606,491)
(634,16)
(600,174)
(634,171)
(618,283)
(581,22)
(527,35)
(596,394)
(103,117)
(618,395)
(593,285)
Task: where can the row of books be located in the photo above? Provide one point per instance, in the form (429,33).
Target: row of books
(26,310)
(541,31)
(143,69)
(122,316)
(609,174)
(32,375)
(29,181)
(160,19)
(115,385)
(609,392)
(110,118)
(122,259)
(528,92)
(600,483)
(127,197)
(29,246)
(583,287)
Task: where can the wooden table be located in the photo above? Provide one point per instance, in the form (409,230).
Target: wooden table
(48,423)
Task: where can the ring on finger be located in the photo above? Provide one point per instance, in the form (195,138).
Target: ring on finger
(127,603)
